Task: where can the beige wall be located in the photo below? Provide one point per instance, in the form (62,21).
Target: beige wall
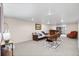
(21,30)
(71,27)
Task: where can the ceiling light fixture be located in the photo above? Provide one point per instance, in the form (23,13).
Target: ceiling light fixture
(48,22)
(32,19)
(63,25)
(49,11)
(62,20)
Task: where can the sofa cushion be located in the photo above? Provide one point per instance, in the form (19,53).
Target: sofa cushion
(43,32)
(40,35)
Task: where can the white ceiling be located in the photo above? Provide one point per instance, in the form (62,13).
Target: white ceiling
(69,12)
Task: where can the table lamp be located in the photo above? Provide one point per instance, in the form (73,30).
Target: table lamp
(6,37)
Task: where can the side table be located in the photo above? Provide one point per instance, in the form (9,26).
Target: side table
(7,49)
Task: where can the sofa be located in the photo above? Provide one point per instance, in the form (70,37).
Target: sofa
(73,35)
(39,35)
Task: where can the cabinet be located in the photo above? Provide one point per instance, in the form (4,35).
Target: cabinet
(7,49)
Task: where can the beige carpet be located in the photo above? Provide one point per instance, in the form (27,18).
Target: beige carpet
(67,47)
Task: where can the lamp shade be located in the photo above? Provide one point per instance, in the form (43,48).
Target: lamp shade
(6,35)
(0,36)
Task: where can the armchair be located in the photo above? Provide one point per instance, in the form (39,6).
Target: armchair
(72,34)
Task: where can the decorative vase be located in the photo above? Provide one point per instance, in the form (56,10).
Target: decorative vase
(6,41)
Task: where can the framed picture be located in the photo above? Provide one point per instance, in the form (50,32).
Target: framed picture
(37,26)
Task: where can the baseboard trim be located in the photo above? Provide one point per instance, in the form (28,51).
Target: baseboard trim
(23,42)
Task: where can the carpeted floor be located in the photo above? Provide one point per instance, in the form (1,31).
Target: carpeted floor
(67,47)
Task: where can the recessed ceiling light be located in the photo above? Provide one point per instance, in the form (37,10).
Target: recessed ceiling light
(32,19)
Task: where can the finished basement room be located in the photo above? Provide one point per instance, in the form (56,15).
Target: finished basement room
(39,29)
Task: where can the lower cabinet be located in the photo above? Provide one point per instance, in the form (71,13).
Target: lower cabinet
(7,49)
